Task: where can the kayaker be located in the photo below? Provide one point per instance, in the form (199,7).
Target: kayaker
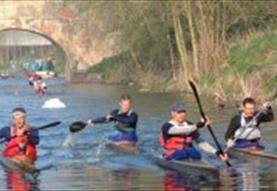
(178,135)
(244,126)
(39,86)
(124,119)
(21,143)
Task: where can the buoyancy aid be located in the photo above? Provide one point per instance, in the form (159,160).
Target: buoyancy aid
(247,130)
(121,127)
(170,143)
(20,146)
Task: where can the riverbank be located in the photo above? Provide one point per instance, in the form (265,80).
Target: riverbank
(249,69)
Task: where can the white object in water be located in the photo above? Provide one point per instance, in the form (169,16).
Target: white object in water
(54,103)
(69,141)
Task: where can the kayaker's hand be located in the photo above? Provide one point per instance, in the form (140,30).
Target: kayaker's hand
(109,117)
(224,157)
(206,121)
(230,143)
(266,106)
(90,122)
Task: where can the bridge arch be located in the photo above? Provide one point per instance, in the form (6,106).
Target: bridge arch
(53,42)
(57,22)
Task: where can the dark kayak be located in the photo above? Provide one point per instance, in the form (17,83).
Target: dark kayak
(200,167)
(252,153)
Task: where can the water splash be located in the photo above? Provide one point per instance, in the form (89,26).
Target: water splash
(69,141)
(99,149)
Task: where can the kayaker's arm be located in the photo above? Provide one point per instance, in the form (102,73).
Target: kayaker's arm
(101,120)
(128,120)
(233,126)
(5,133)
(33,136)
(205,146)
(266,116)
(200,124)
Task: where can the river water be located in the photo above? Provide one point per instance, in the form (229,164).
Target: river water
(89,164)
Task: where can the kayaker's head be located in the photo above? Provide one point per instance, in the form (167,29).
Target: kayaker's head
(178,112)
(125,103)
(19,117)
(249,105)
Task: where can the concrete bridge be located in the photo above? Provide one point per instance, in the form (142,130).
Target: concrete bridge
(56,21)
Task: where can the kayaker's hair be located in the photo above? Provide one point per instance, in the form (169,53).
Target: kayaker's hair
(125,97)
(248,100)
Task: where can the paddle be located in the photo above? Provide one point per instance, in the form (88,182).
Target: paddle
(253,119)
(54,124)
(77,126)
(80,125)
(204,117)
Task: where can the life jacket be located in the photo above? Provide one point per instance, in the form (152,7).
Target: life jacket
(12,148)
(121,127)
(247,130)
(171,143)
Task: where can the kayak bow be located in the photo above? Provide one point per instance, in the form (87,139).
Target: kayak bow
(19,164)
(253,153)
(200,167)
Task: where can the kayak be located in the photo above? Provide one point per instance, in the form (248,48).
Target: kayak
(200,167)
(253,153)
(124,146)
(19,164)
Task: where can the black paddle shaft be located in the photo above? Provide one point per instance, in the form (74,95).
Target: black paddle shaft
(37,129)
(47,126)
(204,117)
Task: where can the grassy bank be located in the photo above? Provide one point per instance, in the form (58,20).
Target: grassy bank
(120,69)
(250,69)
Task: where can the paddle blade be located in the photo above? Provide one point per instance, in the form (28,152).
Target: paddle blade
(77,126)
(195,92)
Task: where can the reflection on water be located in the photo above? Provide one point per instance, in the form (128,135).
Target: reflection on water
(17,181)
(89,165)
(102,179)
(131,179)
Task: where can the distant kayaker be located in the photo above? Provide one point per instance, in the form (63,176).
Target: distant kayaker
(244,126)
(178,135)
(21,143)
(125,122)
(50,64)
(39,86)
